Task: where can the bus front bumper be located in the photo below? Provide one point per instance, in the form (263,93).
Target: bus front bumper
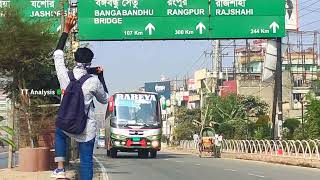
(129,145)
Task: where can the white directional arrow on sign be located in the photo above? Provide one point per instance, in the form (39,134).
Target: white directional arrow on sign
(200,27)
(274,26)
(150,27)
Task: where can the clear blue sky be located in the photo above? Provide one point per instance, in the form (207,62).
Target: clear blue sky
(129,64)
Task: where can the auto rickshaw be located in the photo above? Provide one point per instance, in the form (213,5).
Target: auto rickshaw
(206,146)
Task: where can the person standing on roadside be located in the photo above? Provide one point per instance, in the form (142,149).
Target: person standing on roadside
(196,140)
(218,144)
(76,117)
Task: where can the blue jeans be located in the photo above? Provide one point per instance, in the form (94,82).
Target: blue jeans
(85,150)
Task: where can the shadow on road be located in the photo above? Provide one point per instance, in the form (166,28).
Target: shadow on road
(113,172)
(135,156)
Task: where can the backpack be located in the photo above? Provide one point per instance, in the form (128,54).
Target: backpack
(72,117)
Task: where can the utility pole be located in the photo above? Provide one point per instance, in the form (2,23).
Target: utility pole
(11,125)
(277,96)
(215,66)
(62,18)
(279,83)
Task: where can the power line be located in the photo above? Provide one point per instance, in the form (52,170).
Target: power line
(302,8)
(305,2)
(310,23)
(195,62)
(311,11)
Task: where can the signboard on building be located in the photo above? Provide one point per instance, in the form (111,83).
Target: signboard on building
(163,88)
(292,15)
(228,87)
(180,19)
(192,85)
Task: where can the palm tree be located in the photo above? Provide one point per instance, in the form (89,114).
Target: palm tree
(7,130)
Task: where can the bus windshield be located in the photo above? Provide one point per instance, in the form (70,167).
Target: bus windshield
(136,110)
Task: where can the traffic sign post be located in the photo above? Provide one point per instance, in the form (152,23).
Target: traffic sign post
(180,19)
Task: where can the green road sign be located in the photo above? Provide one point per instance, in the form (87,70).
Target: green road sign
(180,19)
(38,10)
(247,18)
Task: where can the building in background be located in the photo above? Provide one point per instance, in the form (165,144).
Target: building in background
(5,107)
(5,102)
(300,68)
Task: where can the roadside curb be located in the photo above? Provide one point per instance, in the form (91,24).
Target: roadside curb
(298,162)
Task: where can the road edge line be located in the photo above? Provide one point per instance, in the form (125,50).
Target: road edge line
(103,169)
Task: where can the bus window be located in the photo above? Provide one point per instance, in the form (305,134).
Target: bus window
(136,112)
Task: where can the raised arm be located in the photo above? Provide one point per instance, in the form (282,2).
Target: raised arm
(61,69)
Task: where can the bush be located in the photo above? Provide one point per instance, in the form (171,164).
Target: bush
(291,125)
(262,128)
(184,131)
(298,133)
(185,127)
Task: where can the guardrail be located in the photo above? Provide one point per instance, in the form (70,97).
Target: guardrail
(306,149)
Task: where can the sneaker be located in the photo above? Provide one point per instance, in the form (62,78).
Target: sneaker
(58,173)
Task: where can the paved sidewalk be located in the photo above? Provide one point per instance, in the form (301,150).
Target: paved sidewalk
(15,174)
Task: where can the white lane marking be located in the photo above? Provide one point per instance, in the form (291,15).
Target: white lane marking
(179,161)
(230,170)
(103,169)
(198,164)
(250,174)
(166,159)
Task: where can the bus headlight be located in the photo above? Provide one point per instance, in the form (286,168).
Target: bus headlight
(155,144)
(118,137)
(117,143)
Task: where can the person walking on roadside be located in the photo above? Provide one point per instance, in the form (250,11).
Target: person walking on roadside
(196,140)
(218,144)
(76,117)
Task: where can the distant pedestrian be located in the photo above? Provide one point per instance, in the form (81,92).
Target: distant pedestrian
(196,140)
(218,144)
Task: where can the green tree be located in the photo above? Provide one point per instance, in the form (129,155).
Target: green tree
(26,56)
(291,124)
(315,85)
(234,115)
(262,128)
(254,106)
(312,120)
(298,134)
(8,131)
(186,125)
(26,51)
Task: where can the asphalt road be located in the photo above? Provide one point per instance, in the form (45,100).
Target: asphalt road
(4,160)
(188,167)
